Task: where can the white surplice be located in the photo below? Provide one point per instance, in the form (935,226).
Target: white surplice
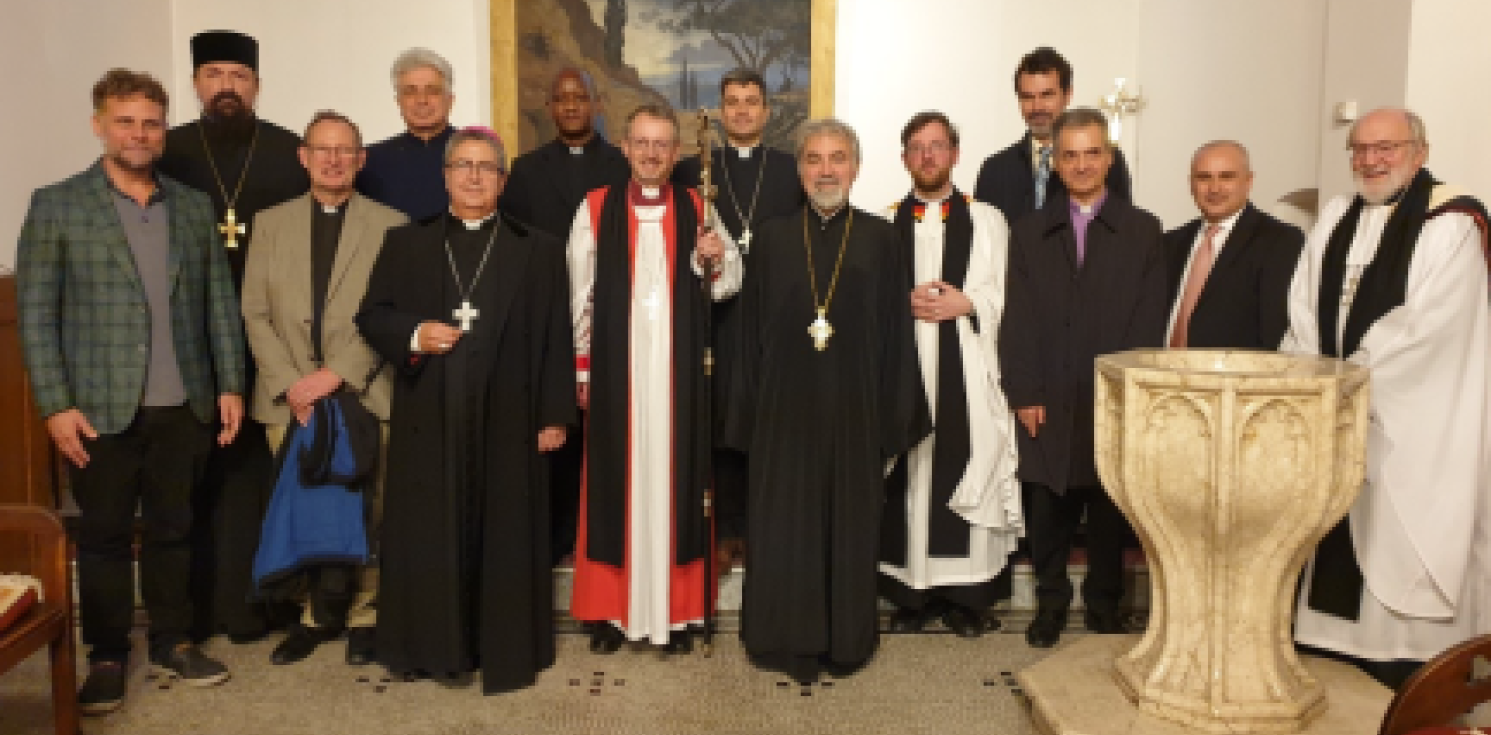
(988,496)
(650,507)
(1420,526)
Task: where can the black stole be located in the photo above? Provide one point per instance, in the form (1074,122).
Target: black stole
(947,533)
(607,448)
(1336,583)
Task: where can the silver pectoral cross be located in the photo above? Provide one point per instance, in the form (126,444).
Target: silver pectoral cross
(466,315)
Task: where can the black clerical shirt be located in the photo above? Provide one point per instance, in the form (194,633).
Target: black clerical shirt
(326,231)
(407,172)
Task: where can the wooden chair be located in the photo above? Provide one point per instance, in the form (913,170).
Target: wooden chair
(49,623)
(1441,691)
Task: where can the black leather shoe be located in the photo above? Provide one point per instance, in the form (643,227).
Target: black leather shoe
(1046,629)
(1105,621)
(299,643)
(362,646)
(963,622)
(680,641)
(606,638)
(906,620)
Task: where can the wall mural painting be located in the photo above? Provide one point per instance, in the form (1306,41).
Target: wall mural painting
(661,51)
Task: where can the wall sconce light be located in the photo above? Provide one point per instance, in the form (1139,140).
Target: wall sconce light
(1120,103)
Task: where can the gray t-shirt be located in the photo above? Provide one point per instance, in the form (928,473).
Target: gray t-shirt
(148,230)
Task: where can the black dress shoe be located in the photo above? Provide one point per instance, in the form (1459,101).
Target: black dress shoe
(606,638)
(1105,621)
(906,620)
(1046,629)
(965,623)
(680,641)
(299,643)
(362,646)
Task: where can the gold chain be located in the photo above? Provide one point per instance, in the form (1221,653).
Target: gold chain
(833,283)
(217,177)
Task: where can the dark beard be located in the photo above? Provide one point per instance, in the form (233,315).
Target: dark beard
(229,117)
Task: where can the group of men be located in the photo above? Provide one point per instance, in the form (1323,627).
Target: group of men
(582,355)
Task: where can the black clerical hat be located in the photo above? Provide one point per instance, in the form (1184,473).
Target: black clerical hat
(218,46)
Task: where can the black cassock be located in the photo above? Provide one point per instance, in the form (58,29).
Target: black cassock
(549,182)
(780,194)
(239,477)
(464,564)
(819,427)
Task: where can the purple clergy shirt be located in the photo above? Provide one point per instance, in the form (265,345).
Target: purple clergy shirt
(1080,221)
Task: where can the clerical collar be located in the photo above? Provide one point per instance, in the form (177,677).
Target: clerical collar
(578,150)
(330,209)
(646,196)
(438,139)
(473,224)
(931,200)
(744,151)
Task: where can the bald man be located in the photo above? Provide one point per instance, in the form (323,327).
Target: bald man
(544,190)
(1228,269)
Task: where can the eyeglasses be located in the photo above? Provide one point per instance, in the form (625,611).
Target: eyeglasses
(1381,149)
(485,168)
(333,150)
(652,145)
(936,148)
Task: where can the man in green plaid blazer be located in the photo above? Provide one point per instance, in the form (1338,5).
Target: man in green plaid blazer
(135,351)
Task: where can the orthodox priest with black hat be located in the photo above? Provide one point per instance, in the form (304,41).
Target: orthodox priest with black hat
(830,391)
(244,165)
(755,183)
(472,308)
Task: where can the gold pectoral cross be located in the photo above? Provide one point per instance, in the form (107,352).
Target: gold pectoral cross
(820,330)
(231,228)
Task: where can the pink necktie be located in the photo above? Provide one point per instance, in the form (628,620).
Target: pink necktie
(1201,263)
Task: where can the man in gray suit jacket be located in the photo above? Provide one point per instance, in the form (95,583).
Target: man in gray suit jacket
(302,286)
(133,347)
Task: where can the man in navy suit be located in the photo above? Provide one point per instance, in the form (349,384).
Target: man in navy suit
(1021,178)
(1229,269)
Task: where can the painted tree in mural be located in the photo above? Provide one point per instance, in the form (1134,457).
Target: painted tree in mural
(615,31)
(770,36)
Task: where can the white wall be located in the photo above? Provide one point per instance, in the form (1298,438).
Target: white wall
(1208,75)
(899,57)
(56,50)
(335,54)
(1366,52)
(1449,73)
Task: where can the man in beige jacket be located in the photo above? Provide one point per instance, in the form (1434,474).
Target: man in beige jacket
(303,284)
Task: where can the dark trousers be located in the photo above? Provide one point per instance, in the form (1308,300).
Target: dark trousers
(565,468)
(1051,521)
(152,465)
(231,501)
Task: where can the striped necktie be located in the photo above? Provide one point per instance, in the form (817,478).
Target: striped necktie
(1042,176)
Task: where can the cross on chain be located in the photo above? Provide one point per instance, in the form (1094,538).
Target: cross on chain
(466,315)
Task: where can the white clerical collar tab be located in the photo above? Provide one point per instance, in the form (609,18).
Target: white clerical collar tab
(651,192)
(576,150)
(474,224)
(329,209)
(744,151)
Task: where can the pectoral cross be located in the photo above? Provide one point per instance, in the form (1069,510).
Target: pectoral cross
(820,330)
(466,315)
(230,229)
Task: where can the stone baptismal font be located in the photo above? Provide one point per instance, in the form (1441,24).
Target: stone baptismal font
(1231,466)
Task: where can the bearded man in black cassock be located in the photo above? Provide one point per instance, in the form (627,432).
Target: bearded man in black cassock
(830,390)
(473,310)
(245,165)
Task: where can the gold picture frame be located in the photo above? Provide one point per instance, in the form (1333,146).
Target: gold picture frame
(504,65)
